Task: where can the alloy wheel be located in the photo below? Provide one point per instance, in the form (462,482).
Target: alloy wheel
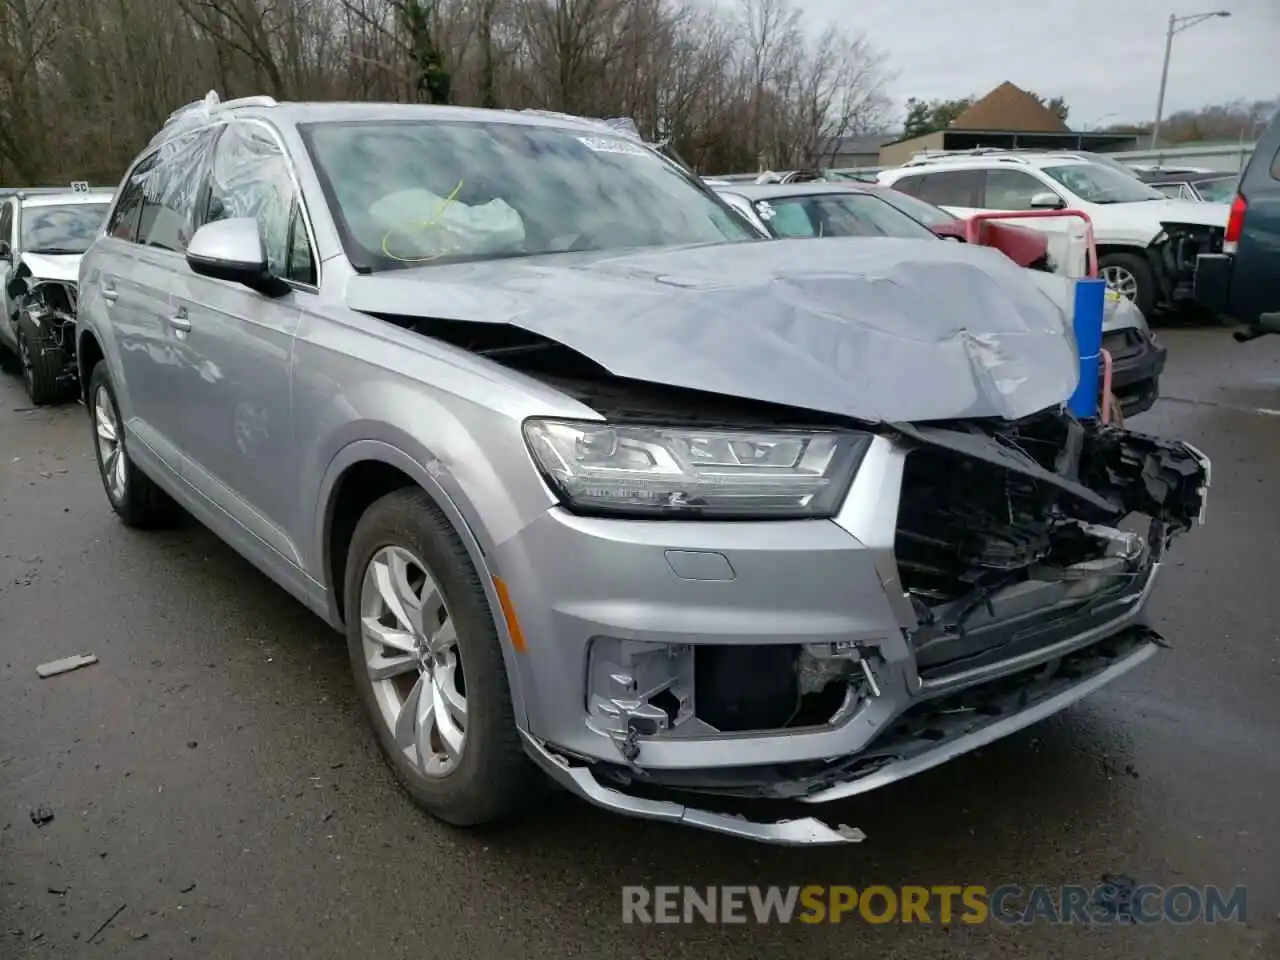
(413,661)
(1121,281)
(107,434)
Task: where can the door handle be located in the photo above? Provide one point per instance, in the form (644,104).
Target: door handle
(109,292)
(179,320)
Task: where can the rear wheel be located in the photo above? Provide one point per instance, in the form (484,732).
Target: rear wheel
(42,365)
(428,664)
(1129,275)
(133,495)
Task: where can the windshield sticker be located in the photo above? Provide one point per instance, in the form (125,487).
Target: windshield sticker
(611,145)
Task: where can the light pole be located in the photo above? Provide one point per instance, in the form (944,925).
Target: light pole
(1176,25)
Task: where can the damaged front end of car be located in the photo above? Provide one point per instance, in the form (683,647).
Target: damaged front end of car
(45,316)
(795,559)
(1017,563)
(1173,255)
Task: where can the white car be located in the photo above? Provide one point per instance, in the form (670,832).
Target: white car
(1147,243)
(43,234)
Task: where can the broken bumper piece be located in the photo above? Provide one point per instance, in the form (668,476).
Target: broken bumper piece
(579,780)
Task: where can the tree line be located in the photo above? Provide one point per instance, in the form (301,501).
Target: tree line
(735,86)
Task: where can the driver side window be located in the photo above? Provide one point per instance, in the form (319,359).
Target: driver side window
(249,177)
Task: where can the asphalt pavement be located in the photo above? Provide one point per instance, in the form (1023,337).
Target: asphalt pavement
(215,792)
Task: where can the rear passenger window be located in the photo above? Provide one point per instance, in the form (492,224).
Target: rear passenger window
(951,188)
(169,191)
(123,224)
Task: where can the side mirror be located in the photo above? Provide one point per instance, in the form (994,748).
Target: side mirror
(232,250)
(1047,201)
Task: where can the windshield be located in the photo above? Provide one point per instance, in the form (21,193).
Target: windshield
(838,215)
(1095,183)
(420,192)
(918,209)
(1217,190)
(67,228)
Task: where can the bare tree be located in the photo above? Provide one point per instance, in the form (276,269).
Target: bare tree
(84,83)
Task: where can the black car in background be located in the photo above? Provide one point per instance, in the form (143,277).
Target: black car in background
(1243,282)
(1196,185)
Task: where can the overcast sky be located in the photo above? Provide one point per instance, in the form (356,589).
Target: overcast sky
(1103,56)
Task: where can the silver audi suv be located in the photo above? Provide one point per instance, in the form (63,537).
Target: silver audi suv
(603,489)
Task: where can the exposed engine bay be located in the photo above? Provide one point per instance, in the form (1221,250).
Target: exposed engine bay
(45,315)
(1173,255)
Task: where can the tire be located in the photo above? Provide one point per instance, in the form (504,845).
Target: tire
(132,494)
(42,366)
(490,777)
(1136,266)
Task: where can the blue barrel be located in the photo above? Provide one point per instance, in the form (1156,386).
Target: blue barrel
(1091,299)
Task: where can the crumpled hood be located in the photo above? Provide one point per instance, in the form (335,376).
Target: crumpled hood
(875,329)
(58,267)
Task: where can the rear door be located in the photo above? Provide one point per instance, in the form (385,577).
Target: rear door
(959,192)
(122,293)
(1010,188)
(153,223)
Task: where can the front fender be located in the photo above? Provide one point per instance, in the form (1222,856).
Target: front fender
(430,478)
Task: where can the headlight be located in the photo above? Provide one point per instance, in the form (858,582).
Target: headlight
(658,471)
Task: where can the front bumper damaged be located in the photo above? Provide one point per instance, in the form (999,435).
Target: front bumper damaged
(1174,256)
(977,579)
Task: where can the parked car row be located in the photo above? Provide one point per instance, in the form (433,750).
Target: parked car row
(1148,235)
(604,486)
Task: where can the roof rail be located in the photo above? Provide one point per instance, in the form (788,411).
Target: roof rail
(994,153)
(208,106)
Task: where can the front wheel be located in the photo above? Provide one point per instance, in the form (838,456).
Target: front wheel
(1131,276)
(133,495)
(428,664)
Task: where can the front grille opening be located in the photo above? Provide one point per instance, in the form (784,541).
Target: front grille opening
(741,688)
(964,524)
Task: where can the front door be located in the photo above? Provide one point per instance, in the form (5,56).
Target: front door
(238,437)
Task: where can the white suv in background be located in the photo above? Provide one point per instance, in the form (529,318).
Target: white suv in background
(1147,243)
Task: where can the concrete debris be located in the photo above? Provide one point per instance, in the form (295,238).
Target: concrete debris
(65,665)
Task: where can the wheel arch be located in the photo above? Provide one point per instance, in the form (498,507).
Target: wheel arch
(360,474)
(89,354)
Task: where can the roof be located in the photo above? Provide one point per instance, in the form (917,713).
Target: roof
(1009,107)
(292,113)
(775,191)
(1183,175)
(985,161)
(69,198)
